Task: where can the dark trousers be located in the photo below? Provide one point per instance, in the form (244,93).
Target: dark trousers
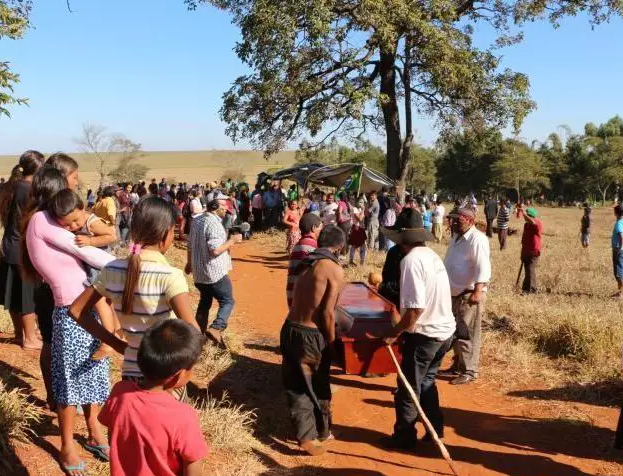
(305,370)
(502,235)
(618,438)
(257,219)
(421,358)
(529,282)
(221,291)
(271,216)
(490,227)
(345,227)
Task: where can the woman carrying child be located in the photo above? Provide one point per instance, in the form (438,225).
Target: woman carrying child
(50,252)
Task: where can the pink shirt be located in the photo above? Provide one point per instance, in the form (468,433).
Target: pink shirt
(58,259)
(150,433)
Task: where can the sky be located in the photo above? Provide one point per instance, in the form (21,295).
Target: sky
(155,72)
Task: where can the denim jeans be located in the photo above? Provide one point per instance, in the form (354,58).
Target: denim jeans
(223,293)
(421,358)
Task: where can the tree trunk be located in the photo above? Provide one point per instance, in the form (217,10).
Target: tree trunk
(408,142)
(391,114)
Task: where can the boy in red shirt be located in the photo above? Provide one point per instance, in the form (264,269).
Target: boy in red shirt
(151,432)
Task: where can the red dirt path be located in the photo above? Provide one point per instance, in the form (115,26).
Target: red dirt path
(487,433)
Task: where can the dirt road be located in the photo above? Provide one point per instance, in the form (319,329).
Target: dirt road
(487,433)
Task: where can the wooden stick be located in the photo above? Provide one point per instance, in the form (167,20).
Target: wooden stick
(427,423)
(519,275)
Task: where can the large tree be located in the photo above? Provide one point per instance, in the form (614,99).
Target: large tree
(14,21)
(324,66)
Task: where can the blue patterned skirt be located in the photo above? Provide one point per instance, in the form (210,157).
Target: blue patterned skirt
(76,378)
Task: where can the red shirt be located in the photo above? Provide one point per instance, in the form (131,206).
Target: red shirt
(531,239)
(150,433)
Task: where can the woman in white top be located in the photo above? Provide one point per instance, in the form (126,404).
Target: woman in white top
(196,208)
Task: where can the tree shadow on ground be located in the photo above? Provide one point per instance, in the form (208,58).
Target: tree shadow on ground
(276,469)
(606,393)
(267,264)
(545,435)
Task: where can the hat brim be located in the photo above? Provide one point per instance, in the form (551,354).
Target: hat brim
(407,235)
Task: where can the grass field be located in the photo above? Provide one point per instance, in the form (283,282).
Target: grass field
(184,166)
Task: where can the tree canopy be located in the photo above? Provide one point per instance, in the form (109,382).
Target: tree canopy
(583,165)
(14,21)
(320,67)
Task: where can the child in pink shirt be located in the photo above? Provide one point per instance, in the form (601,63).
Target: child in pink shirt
(152,433)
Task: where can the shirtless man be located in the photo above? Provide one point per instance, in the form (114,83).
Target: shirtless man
(307,338)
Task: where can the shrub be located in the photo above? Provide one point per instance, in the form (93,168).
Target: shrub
(17,417)
(234,173)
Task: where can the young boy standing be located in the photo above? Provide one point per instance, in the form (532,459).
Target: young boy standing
(150,431)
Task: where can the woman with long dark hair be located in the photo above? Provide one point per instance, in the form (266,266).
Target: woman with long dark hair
(49,252)
(44,299)
(16,295)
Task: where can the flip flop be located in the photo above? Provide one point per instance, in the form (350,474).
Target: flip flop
(98,451)
(70,470)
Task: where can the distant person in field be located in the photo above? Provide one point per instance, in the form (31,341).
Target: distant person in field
(438,216)
(503,219)
(617,249)
(310,226)
(357,237)
(291,220)
(329,210)
(468,265)
(307,339)
(425,330)
(491,213)
(150,431)
(531,244)
(585,226)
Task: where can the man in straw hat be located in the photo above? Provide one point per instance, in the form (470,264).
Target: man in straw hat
(426,328)
(469,269)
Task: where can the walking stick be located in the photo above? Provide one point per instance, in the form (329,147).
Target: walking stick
(427,423)
(519,275)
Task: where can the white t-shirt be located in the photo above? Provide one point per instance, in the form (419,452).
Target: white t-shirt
(438,214)
(328,214)
(424,284)
(196,208)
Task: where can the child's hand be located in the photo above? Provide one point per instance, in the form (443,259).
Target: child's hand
(82,241)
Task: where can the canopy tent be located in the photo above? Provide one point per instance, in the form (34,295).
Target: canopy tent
(351,177)
(298,173)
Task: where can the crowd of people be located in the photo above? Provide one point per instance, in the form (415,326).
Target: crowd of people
(71,298)
(100,304)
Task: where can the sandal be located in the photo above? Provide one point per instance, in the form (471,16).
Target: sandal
(76,470)
(98,451)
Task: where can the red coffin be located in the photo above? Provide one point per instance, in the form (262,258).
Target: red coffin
(361,350)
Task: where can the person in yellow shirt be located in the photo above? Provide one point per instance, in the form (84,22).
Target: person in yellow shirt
(106,208)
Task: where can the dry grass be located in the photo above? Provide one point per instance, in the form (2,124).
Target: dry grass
(229,429)
(6,325)
(17,418)
(212,363)
(185,166)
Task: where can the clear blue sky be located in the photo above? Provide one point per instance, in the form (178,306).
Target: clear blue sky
(156,72)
